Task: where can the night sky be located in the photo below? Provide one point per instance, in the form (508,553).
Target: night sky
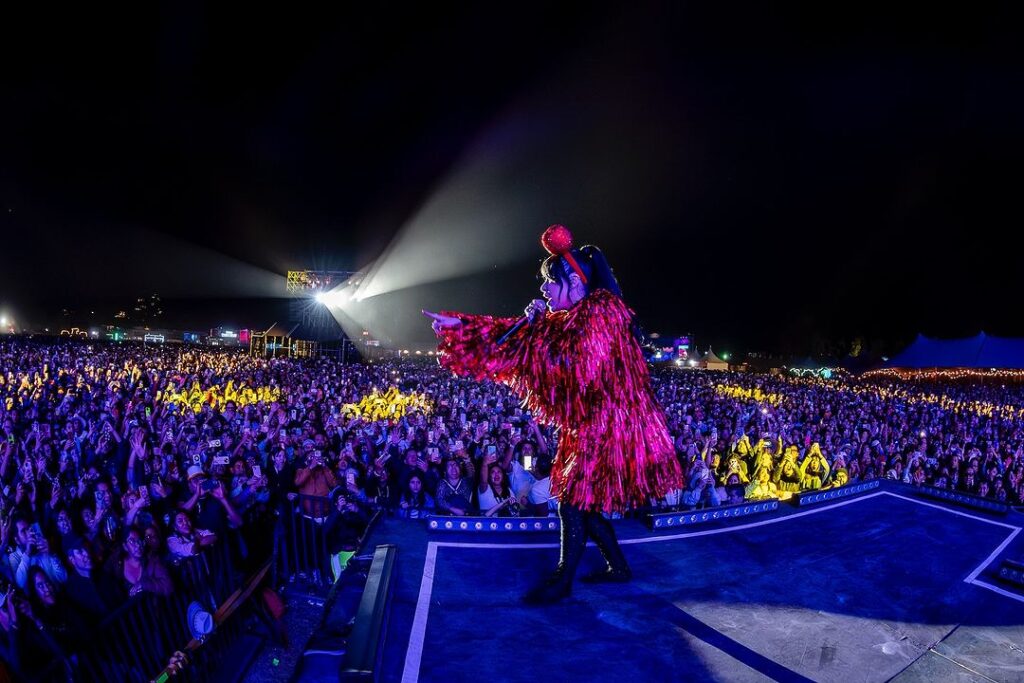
(764,179)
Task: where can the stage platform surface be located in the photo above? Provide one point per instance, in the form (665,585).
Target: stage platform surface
(883,586)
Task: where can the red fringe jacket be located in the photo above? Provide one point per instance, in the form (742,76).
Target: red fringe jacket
(582,370)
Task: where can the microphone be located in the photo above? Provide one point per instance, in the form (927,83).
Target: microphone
(520,324)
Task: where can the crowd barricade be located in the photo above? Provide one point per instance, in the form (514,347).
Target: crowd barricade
(215,657)
(137,640)
(301,540)
(209,577)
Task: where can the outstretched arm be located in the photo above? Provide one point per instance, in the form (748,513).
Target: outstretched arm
(555,360)
(468,344)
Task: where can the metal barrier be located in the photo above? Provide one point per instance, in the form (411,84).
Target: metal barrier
(301,540)
(138,638)
(200,660)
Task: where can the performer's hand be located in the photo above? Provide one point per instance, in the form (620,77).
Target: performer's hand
(441,321)
(536,308)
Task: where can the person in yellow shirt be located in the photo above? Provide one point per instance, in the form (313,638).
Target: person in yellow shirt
(814,469)
(762,487)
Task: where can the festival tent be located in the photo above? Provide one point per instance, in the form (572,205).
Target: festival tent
(981,352)
(710,361)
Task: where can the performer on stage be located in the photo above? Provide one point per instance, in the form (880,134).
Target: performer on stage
(577,365)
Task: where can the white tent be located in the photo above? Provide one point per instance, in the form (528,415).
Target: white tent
(709,361)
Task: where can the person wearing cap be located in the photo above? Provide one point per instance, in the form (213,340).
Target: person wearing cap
(217,516)
(839,478)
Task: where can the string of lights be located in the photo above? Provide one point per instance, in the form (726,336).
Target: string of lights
(936,374)
(825,373)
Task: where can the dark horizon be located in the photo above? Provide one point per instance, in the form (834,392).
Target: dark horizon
(763,180)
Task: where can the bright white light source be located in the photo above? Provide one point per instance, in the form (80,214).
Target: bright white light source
(679,361)
(322,298)
(693,363)
(764,411)
(923,434)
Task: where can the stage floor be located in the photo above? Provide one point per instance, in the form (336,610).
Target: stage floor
(875,588)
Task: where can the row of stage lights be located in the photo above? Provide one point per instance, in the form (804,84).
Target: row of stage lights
(659,521)
(487,524)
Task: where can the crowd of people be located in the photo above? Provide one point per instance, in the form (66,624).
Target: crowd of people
(745,436)
(119,461)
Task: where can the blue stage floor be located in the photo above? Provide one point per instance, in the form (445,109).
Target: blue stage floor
(866,589)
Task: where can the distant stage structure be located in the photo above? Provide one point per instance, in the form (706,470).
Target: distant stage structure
(308,319)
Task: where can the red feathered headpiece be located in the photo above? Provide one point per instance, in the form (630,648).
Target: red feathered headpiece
(557,240)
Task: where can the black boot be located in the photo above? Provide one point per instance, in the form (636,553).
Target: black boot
(572,542)
(603,534)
